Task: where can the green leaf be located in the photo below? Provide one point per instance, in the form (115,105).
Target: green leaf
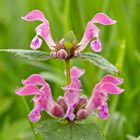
(99,61)
(30,54)
(56,130)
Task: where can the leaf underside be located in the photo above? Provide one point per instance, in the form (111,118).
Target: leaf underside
(55,130)
(100,62)
(30,54)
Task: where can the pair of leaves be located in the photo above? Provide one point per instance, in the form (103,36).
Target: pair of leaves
(43,56)
(54,129)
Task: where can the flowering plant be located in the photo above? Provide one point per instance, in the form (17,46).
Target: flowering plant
(74,106)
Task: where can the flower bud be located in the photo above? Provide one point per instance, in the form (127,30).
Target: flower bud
(61,102)
(82,114)
(53,54)
(57,111)
(62,54)
(83,100)
(77,53)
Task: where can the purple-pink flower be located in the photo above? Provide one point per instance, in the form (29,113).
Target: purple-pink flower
(59,50)
(73,106)
(93,32)
(42,30)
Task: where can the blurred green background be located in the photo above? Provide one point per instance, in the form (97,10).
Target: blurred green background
(120,46)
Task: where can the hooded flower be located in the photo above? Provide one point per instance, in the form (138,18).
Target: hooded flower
(43,30)
(92,32)
(107,85)
(72,106)
(43,99)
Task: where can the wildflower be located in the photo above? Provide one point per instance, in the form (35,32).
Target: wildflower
(72,106)
(92,31)
(107,85)
(43,99)
(42,30)
(63,49)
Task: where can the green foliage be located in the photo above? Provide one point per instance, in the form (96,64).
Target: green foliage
(54,129)
(100,62)
(30,54)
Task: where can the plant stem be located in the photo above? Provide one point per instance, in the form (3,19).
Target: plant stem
(37,137)
(68,71)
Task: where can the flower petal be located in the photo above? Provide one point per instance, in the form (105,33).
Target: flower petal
(112,79)
(27,90)
(35,79)
(34,115)
(91,31)
(96,45)
(76,72)
(103,111)
(111,88)
(46,99)
(102,18)
(71,99)
(93,102)
(44,31)
(35,15)
(36,43)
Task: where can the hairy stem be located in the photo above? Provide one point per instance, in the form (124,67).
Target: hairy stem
(68,71)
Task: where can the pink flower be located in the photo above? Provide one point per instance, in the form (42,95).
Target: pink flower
(92,31)
(43,99)
(72,106)
(43,30)
(98,100)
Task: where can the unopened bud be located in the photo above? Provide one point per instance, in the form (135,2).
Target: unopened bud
(61,102)
(82,114)
(77,53)
(57,111)
(53,54)
(83,100)
(62,54)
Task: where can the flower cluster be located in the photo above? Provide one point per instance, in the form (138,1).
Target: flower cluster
(60,50)
(73,106)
